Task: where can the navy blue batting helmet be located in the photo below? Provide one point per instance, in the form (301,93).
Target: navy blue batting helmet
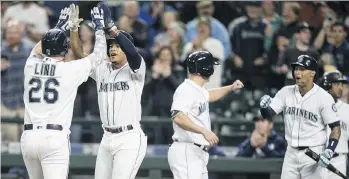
(305,61)
(54,42)
(328,78)
(202,63)
(111,40)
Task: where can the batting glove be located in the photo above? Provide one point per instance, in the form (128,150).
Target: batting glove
(97,18)
(109,23)
(265,101)
(63,20)
(74,21)
(325,158)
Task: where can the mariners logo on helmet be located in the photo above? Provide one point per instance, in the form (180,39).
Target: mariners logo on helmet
(305,61)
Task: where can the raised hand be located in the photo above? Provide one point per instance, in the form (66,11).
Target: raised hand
(74,21)
(108,21)
(97,16)
(237,85)
(63,20)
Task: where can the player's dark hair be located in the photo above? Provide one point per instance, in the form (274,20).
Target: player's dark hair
(338,23)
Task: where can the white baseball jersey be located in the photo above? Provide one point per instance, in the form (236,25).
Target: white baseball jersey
(305,116)
(119,93)
(50,86)
(193,101)
(343,113)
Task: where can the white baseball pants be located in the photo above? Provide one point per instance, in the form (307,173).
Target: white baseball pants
(46,153)
(340,163)
(297,165)
(188,161)
(120,155)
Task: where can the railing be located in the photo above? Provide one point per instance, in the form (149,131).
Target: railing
(156,165)
(217,122)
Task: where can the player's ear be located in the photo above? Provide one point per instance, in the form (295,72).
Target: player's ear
(313,73)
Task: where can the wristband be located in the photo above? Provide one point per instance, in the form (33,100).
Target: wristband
(332,144)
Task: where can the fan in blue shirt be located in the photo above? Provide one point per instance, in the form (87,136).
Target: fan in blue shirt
(263,142)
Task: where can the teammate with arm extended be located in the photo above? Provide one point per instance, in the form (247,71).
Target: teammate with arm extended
(50,87)
(120,81)
(333,83)
(192,136)
(307,110)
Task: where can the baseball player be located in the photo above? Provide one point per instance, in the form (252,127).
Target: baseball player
(50,88)
(120,80)
(333,83)
(307,110)
(192,137)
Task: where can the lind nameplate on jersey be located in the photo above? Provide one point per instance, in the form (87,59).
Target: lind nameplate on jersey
(45,69)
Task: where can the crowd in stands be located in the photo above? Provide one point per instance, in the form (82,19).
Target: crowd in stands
(254,41)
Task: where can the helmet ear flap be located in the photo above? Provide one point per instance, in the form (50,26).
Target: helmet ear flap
(65,48)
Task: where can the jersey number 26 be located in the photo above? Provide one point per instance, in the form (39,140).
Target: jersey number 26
(37,82)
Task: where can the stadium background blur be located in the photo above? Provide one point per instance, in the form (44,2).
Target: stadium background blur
(254,41)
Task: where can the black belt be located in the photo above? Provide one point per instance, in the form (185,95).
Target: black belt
(337,154)
(300,148)
(117,130)
(48,126)
(203,147)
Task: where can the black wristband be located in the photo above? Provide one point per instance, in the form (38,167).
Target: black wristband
(332,144)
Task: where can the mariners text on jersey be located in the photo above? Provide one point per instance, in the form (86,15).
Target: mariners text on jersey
(119,93)
(118,86)
(304,114)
